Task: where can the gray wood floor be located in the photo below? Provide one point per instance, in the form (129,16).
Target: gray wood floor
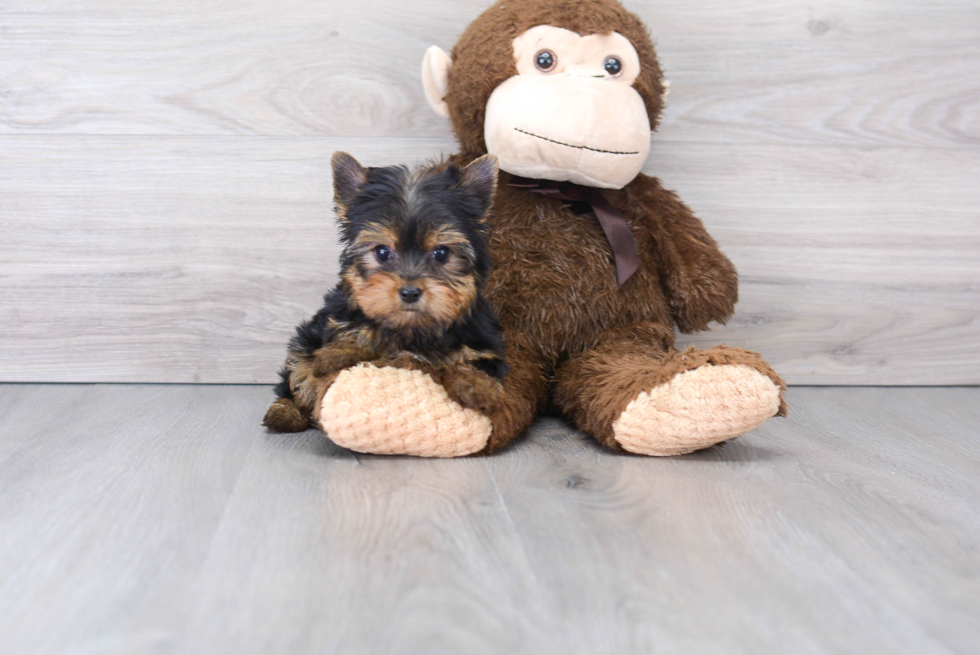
(163,519)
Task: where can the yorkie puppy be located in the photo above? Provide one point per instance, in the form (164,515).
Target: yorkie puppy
(414,262)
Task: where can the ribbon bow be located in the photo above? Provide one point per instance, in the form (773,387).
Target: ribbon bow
(585,199)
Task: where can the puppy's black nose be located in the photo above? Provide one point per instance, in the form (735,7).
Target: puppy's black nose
(409,294)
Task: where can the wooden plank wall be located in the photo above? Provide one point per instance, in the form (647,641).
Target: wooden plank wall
(165,192)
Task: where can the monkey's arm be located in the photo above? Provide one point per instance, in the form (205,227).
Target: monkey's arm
(700,283)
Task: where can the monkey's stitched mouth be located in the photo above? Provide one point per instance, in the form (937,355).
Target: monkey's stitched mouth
(569,145)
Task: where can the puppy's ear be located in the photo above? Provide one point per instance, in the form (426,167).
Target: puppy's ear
(480,179)
(348,179)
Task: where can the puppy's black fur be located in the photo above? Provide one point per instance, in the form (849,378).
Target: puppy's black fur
(413,267)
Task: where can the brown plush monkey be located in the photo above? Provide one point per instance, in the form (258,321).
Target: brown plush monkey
(594,262)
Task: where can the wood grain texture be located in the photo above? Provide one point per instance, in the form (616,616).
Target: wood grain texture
(165,196)
(110,498)
(164,520)
(191,260)
(870,73)
(206,253)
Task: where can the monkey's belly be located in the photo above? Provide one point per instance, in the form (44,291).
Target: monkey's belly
(554,278)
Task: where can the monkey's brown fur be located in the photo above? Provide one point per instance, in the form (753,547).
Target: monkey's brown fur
(573,335)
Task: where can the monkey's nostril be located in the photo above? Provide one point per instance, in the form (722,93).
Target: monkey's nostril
(409,294)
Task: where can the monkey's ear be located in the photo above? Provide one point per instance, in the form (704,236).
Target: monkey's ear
(435,78)
(480,178)
(348,178)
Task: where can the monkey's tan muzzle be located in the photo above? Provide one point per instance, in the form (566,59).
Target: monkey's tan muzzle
(568,127)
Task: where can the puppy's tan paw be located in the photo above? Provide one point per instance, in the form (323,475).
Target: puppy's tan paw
(477,391)
(334,358)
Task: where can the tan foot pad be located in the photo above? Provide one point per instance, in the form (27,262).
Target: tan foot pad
(394,411)
(697,409)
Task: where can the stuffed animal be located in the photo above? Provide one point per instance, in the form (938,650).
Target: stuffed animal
(595,263)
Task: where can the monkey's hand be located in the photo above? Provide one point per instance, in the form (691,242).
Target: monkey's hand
(700,283)
(472,388)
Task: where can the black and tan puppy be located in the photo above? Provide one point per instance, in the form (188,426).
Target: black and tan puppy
(412,271)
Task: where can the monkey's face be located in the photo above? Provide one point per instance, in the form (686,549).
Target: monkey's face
(566,91)
(571,113)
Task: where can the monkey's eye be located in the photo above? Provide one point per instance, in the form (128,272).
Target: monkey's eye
(441,254)
(545,60)
(383,254)
(613,66)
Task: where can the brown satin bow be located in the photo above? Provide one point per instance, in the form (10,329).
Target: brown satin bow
(586,199)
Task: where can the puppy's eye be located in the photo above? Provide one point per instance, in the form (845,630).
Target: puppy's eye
(613,66)
(382,254)
(441,254)
(545,60)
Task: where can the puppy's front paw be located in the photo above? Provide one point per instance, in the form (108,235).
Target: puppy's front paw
(334,358)
(474,390)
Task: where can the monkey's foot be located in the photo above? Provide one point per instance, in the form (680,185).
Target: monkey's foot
(696,409)
(397,411)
